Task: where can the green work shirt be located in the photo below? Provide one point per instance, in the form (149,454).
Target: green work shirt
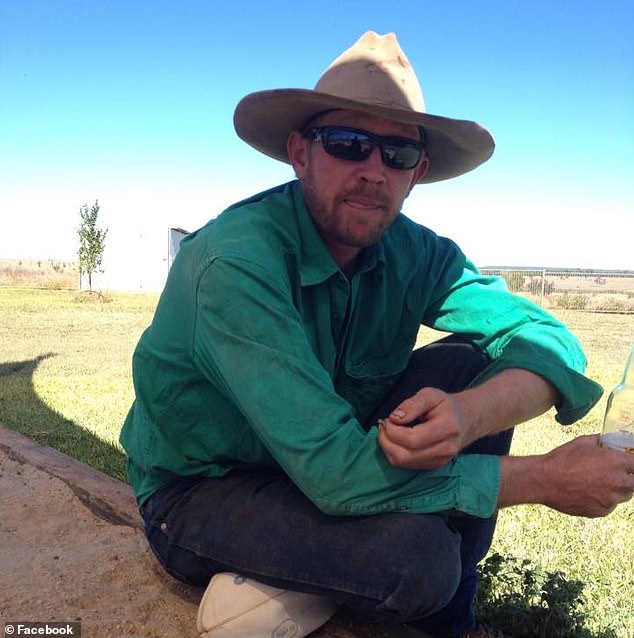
(262,354)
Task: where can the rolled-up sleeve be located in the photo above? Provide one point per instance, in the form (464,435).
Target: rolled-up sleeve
(517,333)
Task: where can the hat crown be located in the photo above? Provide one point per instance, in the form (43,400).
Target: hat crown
(373,76)
(375,71)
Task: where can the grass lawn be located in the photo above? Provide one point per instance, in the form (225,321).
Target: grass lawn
(65,381)
(65,377)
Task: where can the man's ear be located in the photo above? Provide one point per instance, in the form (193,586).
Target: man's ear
(421,169)
(296,148)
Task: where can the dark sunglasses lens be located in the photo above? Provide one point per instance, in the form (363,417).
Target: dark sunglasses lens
(347,145)
(401,156)
(356,146)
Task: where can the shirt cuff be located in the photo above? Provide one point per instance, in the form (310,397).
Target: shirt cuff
(479,484)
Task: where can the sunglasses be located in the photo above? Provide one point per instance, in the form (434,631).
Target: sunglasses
(356,145)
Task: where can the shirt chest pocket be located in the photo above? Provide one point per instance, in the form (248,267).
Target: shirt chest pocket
(364,381)
(374,365)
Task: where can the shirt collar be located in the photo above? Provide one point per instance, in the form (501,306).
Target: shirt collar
(316,262)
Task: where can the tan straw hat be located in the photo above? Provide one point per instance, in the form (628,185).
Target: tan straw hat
(373,76)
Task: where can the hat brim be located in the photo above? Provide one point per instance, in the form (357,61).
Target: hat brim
(264,120)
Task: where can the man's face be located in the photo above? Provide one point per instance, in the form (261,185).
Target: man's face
(352,203)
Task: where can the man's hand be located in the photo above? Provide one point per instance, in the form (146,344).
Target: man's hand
(430,428)
(425,431)
(579,478)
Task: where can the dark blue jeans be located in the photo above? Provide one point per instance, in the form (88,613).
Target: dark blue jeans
(399,567)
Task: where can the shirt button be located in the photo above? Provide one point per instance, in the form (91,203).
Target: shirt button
(163,527)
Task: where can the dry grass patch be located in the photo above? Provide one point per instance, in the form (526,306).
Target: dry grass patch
(53,274)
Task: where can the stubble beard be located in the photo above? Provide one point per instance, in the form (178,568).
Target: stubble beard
(333,224)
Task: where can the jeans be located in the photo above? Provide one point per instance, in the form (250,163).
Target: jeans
(400,567)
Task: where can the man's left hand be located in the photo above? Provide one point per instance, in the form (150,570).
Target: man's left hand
(432,427)
(425,432)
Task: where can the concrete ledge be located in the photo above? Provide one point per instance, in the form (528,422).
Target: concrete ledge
(106,497)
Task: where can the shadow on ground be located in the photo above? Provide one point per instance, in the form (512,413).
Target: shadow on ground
(23,410)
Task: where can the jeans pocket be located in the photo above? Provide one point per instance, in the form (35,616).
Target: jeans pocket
(156,511)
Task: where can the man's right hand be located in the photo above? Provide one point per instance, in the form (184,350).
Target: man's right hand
(580,478)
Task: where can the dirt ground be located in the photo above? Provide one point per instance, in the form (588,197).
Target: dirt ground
(72,549)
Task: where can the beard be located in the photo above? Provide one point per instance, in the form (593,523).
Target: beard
(336,222)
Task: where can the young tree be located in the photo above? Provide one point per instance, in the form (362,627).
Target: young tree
(92,242)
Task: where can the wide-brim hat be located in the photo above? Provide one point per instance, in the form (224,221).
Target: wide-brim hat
(373,76)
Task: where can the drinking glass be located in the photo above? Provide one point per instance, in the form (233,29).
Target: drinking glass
(618,424)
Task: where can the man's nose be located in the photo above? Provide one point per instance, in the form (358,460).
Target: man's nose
(373,168)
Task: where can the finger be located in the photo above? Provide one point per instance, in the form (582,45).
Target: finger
(628,482)
(621,458)
(420,435)
(415,407)
(428,459)
(415,452)
(626,461)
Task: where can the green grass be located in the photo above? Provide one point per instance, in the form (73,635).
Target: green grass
(597,552)
(65,377)
(65,381)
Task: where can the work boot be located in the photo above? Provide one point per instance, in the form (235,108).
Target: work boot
(238,607)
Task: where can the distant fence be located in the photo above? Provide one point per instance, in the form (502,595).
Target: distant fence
(591,290)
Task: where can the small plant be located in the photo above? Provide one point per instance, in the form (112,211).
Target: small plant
(536,285)
(92,242)
(612,304)
(514,280)
(516,597)
(572,302)
(97,297)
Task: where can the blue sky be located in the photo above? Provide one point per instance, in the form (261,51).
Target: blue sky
(131,103)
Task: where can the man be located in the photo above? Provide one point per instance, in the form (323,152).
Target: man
(285,442)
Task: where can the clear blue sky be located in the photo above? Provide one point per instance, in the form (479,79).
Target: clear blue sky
(131,102)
